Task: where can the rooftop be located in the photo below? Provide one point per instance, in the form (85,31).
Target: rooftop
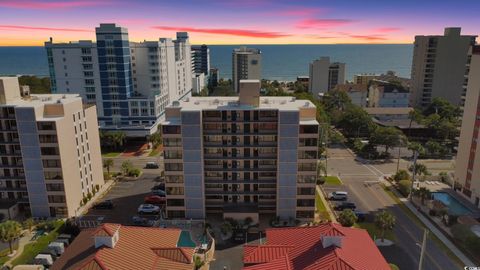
(328,246)
(231,103)
(351,87)
(137,248)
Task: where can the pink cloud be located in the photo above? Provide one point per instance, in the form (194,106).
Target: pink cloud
(245,3)
(322,23)
(21,4)
(20,27)
(368,37)
(224,31)
(300,11)
(387,29)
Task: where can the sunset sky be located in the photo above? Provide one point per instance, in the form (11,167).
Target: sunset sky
(31,22)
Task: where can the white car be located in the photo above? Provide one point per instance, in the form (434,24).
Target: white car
(338,196)
(148,209)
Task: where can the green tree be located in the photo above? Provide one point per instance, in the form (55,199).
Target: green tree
(10,230)
(443,108)
(387,137)
(107,164)
(433,148)
(354,120)
(198,262)
(420,169)
(37,85)
(155,139)
(29,223)
(416,147)
(384,221)
(126,167)
(347,218)
(423,193)
(405,187)
(336,100)
(444,177)
(401,175)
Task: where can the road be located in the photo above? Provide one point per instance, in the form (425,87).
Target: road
(371,198)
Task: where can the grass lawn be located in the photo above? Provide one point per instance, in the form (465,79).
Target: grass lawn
(31,250)
(321,208)
(154,152)
(333,181)
(111,154)
(373,231)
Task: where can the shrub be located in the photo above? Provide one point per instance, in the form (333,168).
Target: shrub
(89,196)
(135,172)
(347,218)
(85,200)
(405,187)
(97,187)
(107,176)
(401,175)
(461,232)
(320,180)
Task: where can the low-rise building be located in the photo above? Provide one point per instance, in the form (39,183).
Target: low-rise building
(114,246)
(387,94)
(358,93)
(49,150)
(241,156)
(323,247)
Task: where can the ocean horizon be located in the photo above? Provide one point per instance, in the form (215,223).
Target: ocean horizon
(279,62)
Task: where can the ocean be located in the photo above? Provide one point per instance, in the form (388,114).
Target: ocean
(279,62)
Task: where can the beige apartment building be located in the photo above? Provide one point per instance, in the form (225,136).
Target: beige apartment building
(241,156)
(438,67)
(325,75)
(49,150)
(467,170)
(246,65)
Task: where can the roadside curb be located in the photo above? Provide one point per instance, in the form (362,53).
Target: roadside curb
(459,254)
(327,204)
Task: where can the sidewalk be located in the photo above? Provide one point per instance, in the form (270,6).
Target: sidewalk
(327,205)
(438,233)
(24,240)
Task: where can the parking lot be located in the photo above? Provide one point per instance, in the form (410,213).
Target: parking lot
(126,197)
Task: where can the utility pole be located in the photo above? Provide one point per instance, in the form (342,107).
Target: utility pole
(415,154)
(422,251)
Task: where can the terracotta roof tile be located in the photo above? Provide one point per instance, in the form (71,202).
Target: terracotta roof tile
(137,248)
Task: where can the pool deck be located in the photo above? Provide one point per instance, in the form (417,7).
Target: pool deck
(441,187)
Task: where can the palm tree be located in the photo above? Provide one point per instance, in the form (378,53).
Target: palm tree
(108,163)
(384,221)
(420,169)
(423,193)
(10,230)
(155,139)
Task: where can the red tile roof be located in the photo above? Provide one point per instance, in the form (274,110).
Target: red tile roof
(301,248)
(137,248)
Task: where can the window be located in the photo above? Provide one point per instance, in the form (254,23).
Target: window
(306,191)
(56,199)
(46,126)
(171,130)
(49,151)
(53,175)
(174,178)
(305,202)
(55,187)
(173,167)
(175,202)
(304,214)
(172,154)
(174,191)
(172,142)
(310,129)
(51,163)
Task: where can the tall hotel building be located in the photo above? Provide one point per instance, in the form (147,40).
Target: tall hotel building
(438,67)
(467,170)
(241,156)
(246,65)
(130,82)
(324,75)
(49,150)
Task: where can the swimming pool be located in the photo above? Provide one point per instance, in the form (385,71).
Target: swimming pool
(454,206)
(185,240)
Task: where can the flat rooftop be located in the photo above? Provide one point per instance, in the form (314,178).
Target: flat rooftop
(231,103)
(43,99)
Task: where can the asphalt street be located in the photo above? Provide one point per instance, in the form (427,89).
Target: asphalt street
(360,182)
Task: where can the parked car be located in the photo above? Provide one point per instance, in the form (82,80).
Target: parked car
(361,216)
(159,192)
(160,186)
(346,205)
(151,165)
(43,259)
(238,236)
(148,209)
(155,199)
(338,196)
(107,204)
(141,221)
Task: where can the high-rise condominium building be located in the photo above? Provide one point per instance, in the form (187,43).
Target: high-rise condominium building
(467,170)
(246,65)
(130,82)
(438,67)
(49,149)
(241,156)
(324,76)
(201,59)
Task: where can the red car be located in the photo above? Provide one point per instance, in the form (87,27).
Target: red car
(154,199)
